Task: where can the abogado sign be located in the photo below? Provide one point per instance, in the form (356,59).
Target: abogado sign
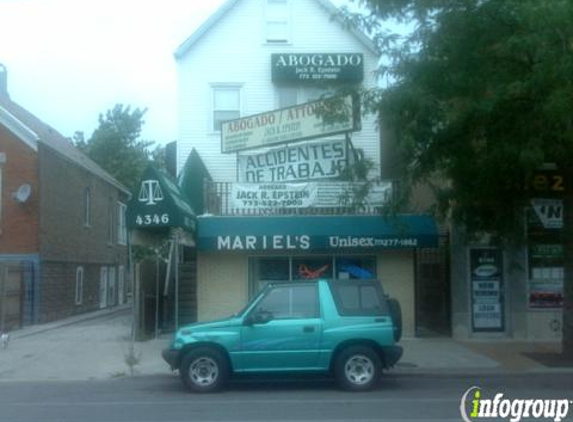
(272,196)
(294,163)
(297,123)
(317,67)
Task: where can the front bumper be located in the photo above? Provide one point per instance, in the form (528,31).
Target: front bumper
(171,357)
(392,354)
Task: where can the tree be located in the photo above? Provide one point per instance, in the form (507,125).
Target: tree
(115,144)
(480,94)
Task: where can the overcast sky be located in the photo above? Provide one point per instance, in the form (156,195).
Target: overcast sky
(69,60)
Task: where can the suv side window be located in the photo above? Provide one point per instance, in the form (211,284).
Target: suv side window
(286,302)
(358,299)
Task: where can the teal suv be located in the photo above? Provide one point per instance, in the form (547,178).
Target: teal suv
(348,328)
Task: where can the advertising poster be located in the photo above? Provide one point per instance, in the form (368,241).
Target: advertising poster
(252,196)
(296,123)
(486,281)
(545,253)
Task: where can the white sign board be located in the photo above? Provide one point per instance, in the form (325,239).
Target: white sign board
(299,162)
(252,196)
(297,123)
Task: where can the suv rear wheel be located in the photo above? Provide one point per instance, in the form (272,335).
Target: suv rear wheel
(204,370)
(357,368)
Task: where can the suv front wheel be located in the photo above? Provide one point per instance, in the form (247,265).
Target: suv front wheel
(204,370)
(357,368)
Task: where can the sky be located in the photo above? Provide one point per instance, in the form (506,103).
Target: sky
(70,60)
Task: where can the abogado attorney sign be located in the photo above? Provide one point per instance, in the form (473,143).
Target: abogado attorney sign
(297,123)
(294,163)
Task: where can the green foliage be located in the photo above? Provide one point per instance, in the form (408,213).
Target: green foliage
(480,94)
(116,147)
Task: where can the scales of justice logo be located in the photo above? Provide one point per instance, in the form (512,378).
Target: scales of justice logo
(150,192)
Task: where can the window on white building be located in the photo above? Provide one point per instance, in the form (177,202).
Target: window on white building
(278,21)
(226,104)
(121,224)
(290,96)
(79,285)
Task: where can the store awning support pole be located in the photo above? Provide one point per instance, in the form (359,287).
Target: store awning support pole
(156,293)
(176,265)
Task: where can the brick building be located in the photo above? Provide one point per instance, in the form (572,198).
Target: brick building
(62,224)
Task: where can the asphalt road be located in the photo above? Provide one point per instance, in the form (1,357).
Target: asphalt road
(163,399)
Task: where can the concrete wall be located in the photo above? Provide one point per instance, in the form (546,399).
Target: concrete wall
(222,285)
(396,273)
(221,56)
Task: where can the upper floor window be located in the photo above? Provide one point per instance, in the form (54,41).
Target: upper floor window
(287,97)
(277,21)
(226,104)
(87,207)
(121,224)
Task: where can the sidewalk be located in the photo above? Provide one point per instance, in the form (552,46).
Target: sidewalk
(97,346)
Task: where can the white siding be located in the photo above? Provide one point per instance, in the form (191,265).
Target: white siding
(234,51)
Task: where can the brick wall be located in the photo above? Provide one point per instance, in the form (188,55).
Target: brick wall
(18,222)
(57,293)
(66,242)
(64,236)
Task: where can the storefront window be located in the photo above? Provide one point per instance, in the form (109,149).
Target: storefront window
(312,268)
(265,270)
(355,267)
(545,254)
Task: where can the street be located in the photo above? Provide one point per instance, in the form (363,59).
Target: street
(400,397)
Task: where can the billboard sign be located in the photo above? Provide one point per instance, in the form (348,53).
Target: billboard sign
(311,120)
(307,161)
(317,67)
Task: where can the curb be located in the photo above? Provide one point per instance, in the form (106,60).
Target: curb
(39,329)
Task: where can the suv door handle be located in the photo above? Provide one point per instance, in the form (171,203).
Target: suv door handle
(381,319)
(308,329)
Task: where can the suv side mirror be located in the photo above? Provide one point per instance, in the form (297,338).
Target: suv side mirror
(258,317)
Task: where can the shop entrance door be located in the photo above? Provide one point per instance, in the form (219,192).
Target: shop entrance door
(433,310)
